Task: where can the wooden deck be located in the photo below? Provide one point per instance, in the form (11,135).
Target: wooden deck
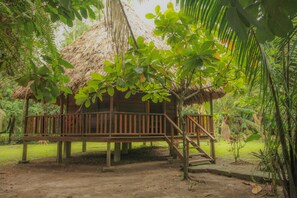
(122,127)
(104,125)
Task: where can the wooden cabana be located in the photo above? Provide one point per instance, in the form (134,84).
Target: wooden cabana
(116,119)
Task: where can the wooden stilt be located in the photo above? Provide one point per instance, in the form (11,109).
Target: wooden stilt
(24,156)
(125,148)
(212,145)
(108,167)
(117,152)
(25,145)
(67,149)
(84,146)
(108,155)
(59,151)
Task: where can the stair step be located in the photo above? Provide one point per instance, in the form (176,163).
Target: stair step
(197,154)
(199,161)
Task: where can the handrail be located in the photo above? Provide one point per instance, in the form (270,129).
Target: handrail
(93,113)
(173,124)
(198,115)
(197,124)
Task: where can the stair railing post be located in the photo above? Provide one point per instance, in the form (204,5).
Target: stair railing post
(212,146)
(172,140)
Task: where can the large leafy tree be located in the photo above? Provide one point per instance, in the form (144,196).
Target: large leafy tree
(247,27)
(194,60)
(27,49)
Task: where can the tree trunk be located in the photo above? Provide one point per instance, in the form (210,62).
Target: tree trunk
(182,124)
(11,129)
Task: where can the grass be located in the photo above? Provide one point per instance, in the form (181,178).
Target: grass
(10,154)
(223,150)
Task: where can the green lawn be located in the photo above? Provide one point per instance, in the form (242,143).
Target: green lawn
(12,153)
(222,150)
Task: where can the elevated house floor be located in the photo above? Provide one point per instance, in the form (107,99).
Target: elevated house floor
(141,122)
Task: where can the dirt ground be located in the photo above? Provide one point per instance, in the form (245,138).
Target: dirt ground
(142,173)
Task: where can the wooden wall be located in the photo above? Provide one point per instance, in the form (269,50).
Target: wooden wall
(133,104)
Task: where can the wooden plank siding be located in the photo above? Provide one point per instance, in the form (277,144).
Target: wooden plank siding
(123,117)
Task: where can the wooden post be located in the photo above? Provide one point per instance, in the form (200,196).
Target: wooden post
(110,114)
(108,155)
(117,152)
(24,156)
(67,149)
(147,109)
(84,146)
(59,152)
(61,113)
(212,146)
(125,148)
(26,115)
(25,145)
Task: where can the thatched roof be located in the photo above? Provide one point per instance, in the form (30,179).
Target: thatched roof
(88,53)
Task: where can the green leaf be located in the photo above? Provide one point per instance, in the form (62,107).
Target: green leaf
(84,12)
(121,83)
(110,91)
(94,98)
(97,76)
(157,9)
(109,69)
(65,3)
(88,103)
(145,97)
(77,14)
(43,70)
(170,6)
(150,16)
(65,63)
(91,13)
(127,95)
(235,22)
(280,25)
(69,22)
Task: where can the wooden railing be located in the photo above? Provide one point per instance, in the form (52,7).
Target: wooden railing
(205,124)
(99,123)
(201,125)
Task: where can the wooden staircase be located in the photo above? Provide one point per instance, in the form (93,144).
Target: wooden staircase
(194,131)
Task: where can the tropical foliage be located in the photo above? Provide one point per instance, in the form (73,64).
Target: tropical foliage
(247,27)
(27,49)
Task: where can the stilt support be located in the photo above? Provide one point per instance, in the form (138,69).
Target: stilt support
(125,148)
(59,151)
(84,146)
(108,167)
(117,152)
(67,149)
(24,156)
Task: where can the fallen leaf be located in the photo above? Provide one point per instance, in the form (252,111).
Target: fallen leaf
(256,189)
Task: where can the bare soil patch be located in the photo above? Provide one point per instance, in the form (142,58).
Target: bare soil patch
(141,173)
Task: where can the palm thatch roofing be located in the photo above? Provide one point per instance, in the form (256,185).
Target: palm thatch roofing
(88,53)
